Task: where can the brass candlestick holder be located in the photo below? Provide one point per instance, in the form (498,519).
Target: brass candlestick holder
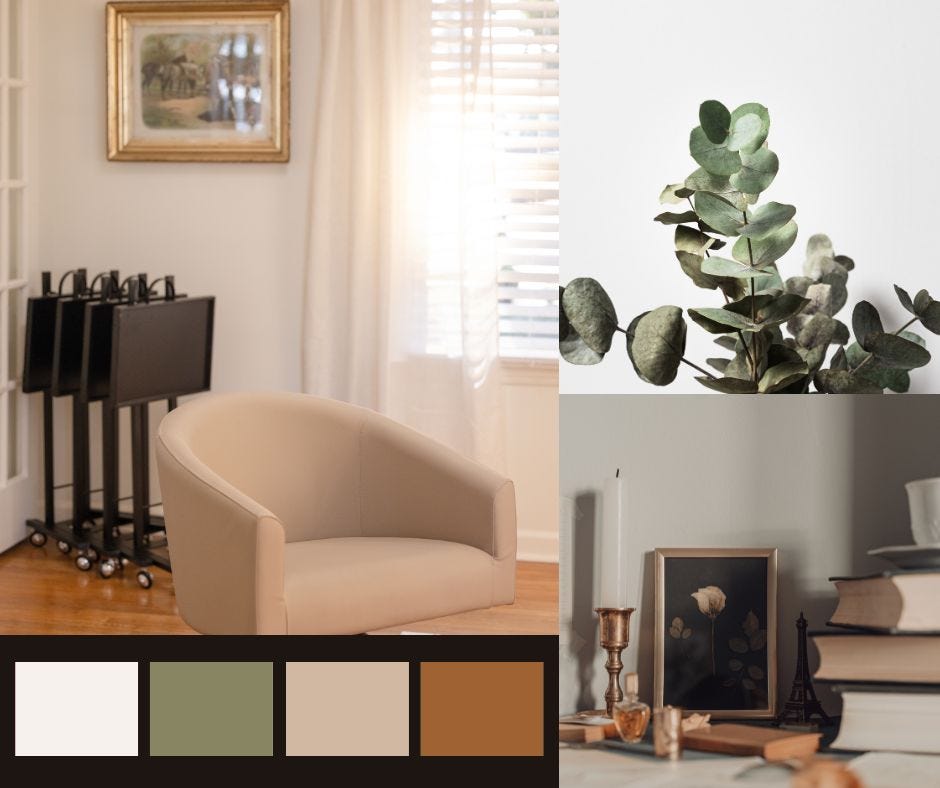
(614,637)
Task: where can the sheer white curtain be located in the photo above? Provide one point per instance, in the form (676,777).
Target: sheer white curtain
(401,296)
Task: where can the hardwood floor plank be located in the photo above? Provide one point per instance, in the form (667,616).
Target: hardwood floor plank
(42,592)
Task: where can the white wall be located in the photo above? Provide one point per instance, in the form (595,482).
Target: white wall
(851,88)
(237,231)
(820,478)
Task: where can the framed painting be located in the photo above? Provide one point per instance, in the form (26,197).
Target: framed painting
(715,649)
(192,80)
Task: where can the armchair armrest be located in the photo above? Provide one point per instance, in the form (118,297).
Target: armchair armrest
(227,550)
(413,486)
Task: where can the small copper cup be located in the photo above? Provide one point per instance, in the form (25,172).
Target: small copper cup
(667,732)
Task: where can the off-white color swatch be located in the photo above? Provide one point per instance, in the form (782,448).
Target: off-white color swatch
(52,719)
(347,708)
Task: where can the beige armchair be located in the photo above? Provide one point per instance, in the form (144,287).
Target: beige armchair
(291,514)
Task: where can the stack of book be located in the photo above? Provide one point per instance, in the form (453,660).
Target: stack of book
(882,654)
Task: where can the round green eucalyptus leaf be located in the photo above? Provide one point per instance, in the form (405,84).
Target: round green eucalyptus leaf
(819,296)
(691,265)
(728,386)
(655,344)
(921,302)
(838,293)
(675,193)
(721,364)
(693,241)
(866,324)
(837,381)
(896,352)
(846,262)
(714,157)
(905,299)
(574,350)
(768,309)
(768,218)
(590,313)
(728,343)
(768,249)
(822,330)
(930,317)
(757,172)
(748,134)
(703,181)
(719,321)
(781,308)
(782,354)
(813,358)
(721,266)
(715,118)
(838,360)
(563,324)
(798,285)
(740,366)
(718,213)
(676,218)
(781,376)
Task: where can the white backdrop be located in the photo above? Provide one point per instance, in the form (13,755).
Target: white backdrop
(854,104)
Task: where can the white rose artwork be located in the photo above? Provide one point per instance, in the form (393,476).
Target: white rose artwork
(711,601)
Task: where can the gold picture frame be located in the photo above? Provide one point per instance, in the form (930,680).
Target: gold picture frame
(194,80)
(675,575)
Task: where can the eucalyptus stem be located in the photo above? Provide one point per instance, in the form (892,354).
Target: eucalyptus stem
(696,366)
(750,257)
(909,322)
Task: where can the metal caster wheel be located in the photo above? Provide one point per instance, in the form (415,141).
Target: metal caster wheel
(37,538)
(83,562)
(64,547)
(92,554)
(144,579)
(124,561)
(107,568)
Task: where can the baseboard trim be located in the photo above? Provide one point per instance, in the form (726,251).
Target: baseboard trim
(537,546)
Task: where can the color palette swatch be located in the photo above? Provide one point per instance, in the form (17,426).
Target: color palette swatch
(347,708)
(391,709)
(211,708)
(51,716)
(482,708)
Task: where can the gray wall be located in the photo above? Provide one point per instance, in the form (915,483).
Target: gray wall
(818,477)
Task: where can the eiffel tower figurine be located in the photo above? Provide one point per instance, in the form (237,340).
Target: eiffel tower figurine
(803,703)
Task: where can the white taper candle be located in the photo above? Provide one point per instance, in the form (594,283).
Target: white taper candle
(613,585)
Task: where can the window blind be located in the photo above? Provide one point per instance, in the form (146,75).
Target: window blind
(517,85)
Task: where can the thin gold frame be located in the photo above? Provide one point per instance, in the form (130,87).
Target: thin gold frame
(120,15)
(770,553)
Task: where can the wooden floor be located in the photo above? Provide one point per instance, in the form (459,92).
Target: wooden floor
(43,593)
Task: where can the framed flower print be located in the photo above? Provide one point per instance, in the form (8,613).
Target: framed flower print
(715,645)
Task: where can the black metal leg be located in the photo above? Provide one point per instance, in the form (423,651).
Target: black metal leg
(140,462)
(109,480)
(48,464)
(80,459)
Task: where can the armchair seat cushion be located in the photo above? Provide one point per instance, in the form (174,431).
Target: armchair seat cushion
(350,585)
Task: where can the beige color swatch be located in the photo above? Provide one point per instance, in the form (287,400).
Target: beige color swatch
(347,708)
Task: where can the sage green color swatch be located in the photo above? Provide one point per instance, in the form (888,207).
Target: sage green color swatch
(211,708)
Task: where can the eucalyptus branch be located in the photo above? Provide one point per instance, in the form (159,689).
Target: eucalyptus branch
(723,195)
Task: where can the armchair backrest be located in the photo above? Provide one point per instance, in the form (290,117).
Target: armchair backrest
(295,455)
